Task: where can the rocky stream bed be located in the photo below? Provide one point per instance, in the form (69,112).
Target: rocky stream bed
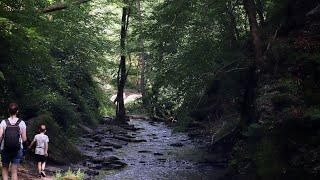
(144,150)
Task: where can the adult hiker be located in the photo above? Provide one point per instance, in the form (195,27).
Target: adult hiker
(41,152)
(13,138)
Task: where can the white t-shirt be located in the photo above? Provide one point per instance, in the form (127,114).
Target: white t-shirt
(40,139)
(22,127)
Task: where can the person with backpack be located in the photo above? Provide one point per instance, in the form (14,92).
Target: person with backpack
(13,137)
(41,152)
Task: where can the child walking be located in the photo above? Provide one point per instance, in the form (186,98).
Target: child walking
(41,151)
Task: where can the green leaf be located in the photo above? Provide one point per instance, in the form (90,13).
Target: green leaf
(1,76)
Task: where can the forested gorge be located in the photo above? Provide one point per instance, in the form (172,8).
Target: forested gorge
(242,75)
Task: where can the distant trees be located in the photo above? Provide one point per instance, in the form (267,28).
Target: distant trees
(142,51)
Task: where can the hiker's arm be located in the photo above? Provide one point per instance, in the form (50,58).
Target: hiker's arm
(24,135)
(1,132)
(46,148)
(31,144)
(23,129)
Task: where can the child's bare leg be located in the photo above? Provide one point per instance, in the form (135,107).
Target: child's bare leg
(39,167)
(43,166)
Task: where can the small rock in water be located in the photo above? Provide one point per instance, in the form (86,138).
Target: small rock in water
(117,146)
(144,151)
(105,148)
(105,159)
(176,144)
(139,140)
(97,138)
(91,172)
(157,154)
(162,159)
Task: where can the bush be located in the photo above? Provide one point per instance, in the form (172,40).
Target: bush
(69,175)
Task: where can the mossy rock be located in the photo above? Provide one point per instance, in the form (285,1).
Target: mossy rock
(282,101)
(61,150)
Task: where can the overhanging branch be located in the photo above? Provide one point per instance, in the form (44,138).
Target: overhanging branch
(60,6)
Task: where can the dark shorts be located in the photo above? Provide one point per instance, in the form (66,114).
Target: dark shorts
(40,158)
(14,158)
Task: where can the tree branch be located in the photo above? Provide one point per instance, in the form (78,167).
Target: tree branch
(60,6)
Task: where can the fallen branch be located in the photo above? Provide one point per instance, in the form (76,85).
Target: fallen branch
(61,5)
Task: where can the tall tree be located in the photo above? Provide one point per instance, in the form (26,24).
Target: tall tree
(122,74)
(231,25)
(142,54)
(249,5)
(248,113)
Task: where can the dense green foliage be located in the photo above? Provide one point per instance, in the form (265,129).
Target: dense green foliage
(201,63)
(49,61)
(200,54)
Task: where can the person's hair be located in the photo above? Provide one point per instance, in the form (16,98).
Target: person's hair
(42,128)
(13,108)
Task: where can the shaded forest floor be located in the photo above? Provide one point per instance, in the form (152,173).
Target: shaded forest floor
(27,171)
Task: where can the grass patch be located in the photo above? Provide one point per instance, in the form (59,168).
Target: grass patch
(69,175)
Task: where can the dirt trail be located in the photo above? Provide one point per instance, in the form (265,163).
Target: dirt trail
(27,171)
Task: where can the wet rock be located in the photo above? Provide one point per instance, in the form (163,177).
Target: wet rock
(97,138)
(117,146)
(131,128)
(129,136)
(176,144)
(108,119)
(98,160)
(89,146)
(86,129)
(96,166)
(123,138)
(117,164)
(152,123)
(162,159)
(91,172)
(112,162)
(105,148)
(144,151)
(87,135)
(139,140)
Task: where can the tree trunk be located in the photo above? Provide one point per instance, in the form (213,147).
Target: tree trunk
(260,9)
(248,112)
(232,28)
(251,12)
(142,54)
(122,75)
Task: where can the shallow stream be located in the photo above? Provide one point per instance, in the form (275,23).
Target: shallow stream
(165,155)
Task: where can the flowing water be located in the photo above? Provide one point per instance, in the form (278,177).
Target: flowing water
(159,159)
